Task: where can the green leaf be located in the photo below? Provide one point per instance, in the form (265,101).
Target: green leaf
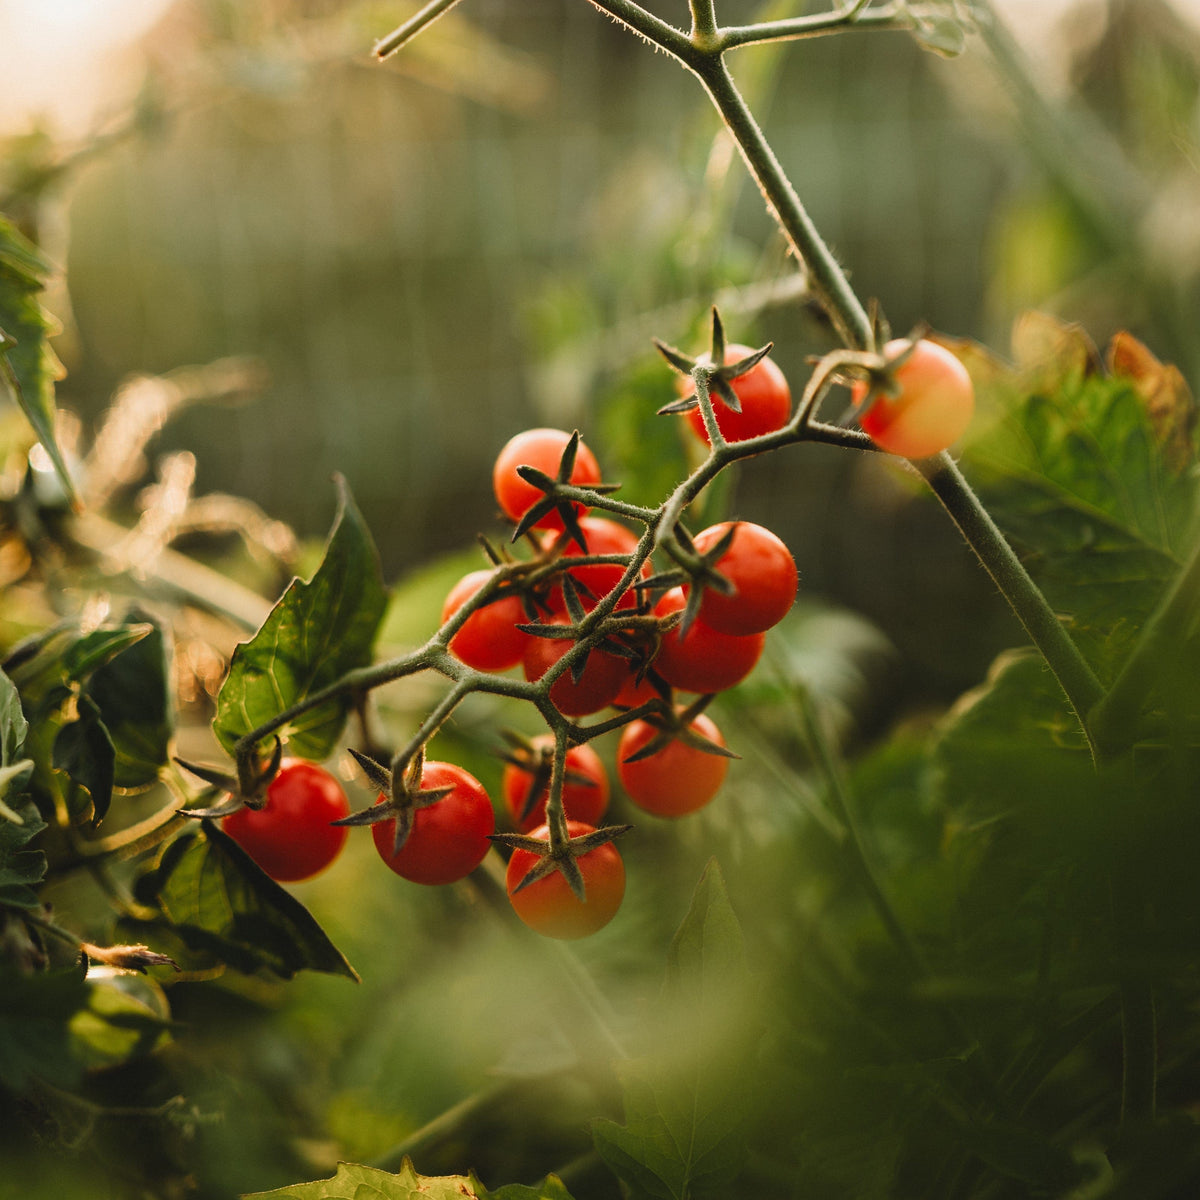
(27,364)
(226,910)
(316,633)
(92,650)
(687,1108)
(13,725)
(125,1016)
(133,694)
(34,1036)
(84,752)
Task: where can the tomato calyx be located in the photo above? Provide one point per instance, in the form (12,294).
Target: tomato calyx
(536,761)
(696,569)
(559,851)
(248,789)
(401,795)
(561,496)
(676,725)
(718,372)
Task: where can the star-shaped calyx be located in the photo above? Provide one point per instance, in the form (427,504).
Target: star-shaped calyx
(721,373)
(401,795)
(536,762)
(695,568)
(554,500)
(676,725)
(248,789)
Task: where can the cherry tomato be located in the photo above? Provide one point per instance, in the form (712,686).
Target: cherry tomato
(584,799)
(449,839)
(596,581)
(763,574)
(541,448)
(602,677)
(549,906)
(933,407)
(634,693)
(764,395)
(675,780)
(489,639)
(291,838)
(705,660)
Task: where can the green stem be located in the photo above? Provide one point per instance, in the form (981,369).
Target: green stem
(851,16)
(414,25)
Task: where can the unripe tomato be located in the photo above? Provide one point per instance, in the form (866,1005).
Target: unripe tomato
(549,906)
(541,448)
(602,678)
(933,407)
(489,639)
(291,837)
(763,574)
(448,839)
(584,798)
(704,660)
(764,395)
(677,779)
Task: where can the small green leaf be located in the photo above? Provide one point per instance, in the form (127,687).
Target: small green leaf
(84,752)
(34,1036)
(316,633)
(13,725)
(133,693)
(125,1016)
(91,651)
(226,910)
(27,364)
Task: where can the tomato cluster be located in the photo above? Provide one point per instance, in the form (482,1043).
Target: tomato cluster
(585,592)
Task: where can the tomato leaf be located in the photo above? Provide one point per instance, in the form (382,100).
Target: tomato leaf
(315,633)
(133,695)
(27,364)
(224,909)
(687,1108)
(34,1035)
(84,752)
(20,821)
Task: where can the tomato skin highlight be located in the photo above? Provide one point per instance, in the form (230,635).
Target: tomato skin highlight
(598,686)
(550,908)
(291,838)
(705,660)
(764,576)
(541,448)
(678,779)
(584,802)
(489,639)
(934,406)
(449,839)
(763,392)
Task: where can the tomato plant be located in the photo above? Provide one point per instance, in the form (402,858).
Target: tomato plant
(489,639)
(543,449)
(763,574)
(291,837)
(762,391)
(596,580)
(603,675)
(585,786)
(550,908)
(677,779)
(449,838)
(703,659)
(928,406)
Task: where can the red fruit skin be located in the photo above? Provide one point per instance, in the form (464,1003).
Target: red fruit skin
(603,537)
(705,660)
(598,686)
(291,838)
(585,802)
(934,406)
(550,908)
(541,448)
(449,839)
(489,639)
(765,397)
(764,576)
(676,780)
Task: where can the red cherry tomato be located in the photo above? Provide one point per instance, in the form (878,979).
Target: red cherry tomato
(705,660)
(596,581)
(933,407)
(584,799)
(675,780)
(541,448)
(634,693)
(489,639)
(549,906)
(763,574)
(291,838)
(764,395)
(602,677)
(448,839)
